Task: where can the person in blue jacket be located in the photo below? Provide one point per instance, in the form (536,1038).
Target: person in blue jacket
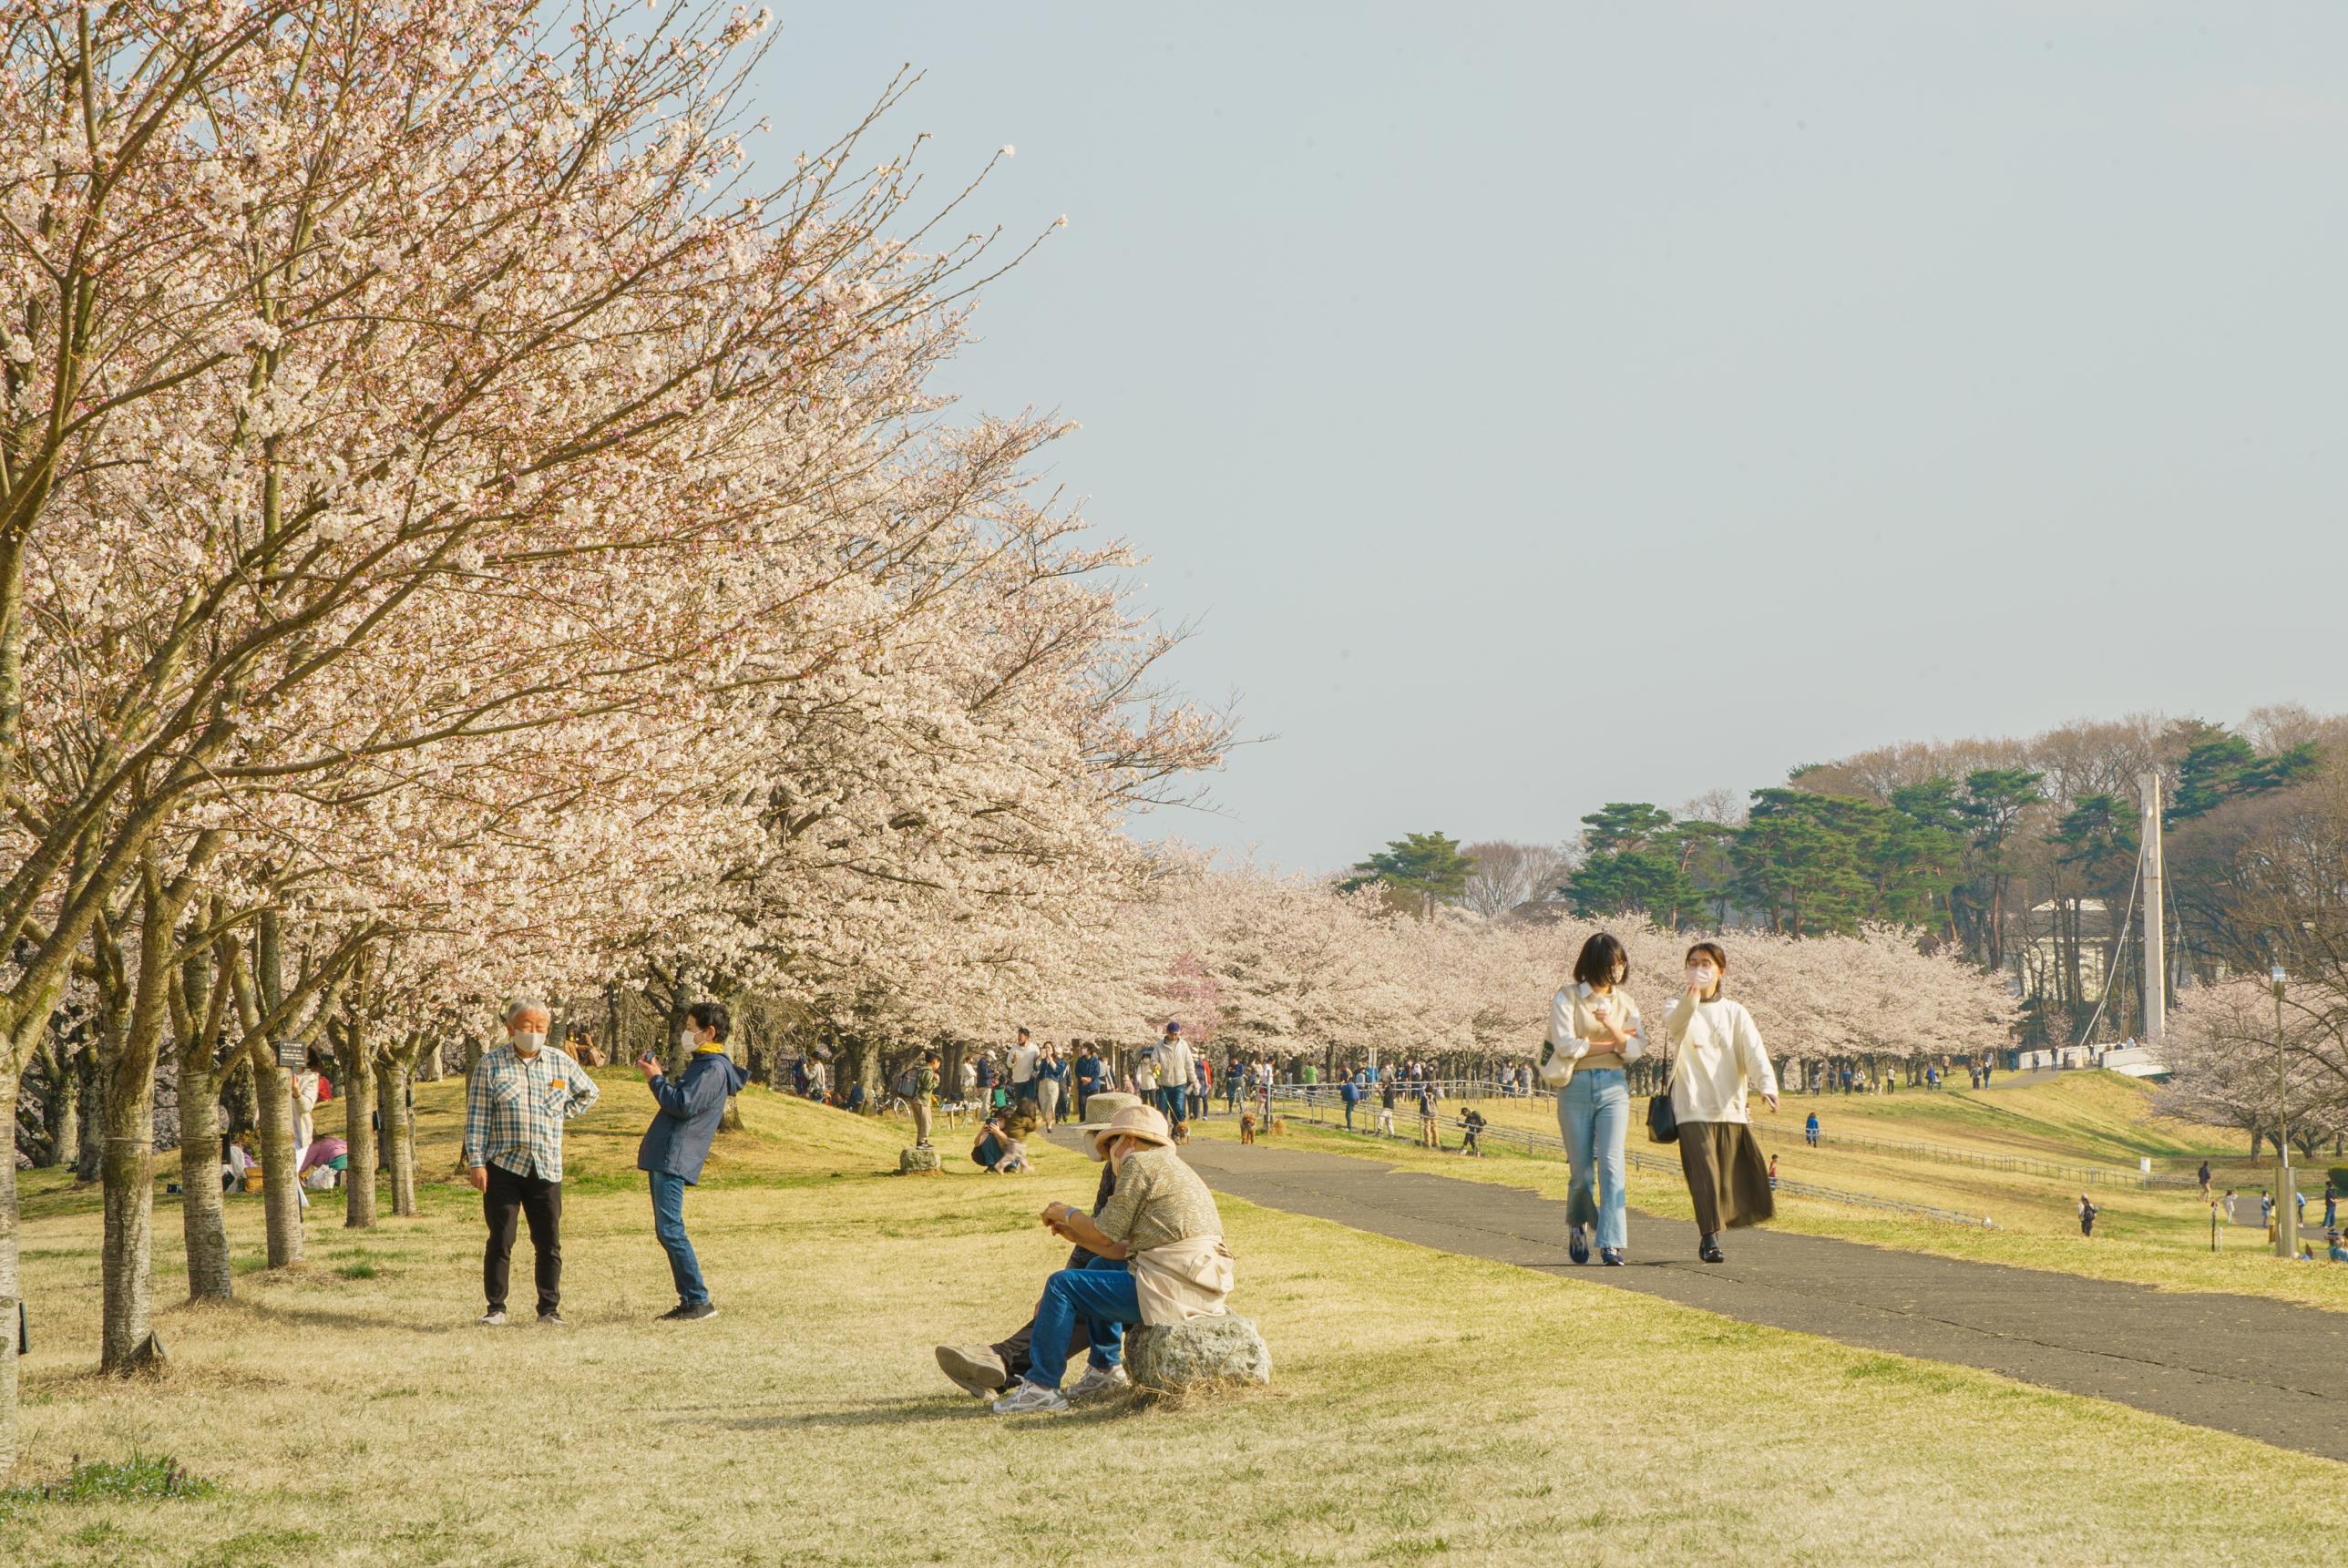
(678,1143)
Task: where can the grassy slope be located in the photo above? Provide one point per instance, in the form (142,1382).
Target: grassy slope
(1425,1405)
(2155,1236)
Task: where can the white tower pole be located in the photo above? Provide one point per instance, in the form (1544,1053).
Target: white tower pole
(2156,917)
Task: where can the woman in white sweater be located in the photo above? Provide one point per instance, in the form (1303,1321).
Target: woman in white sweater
(1717,1057)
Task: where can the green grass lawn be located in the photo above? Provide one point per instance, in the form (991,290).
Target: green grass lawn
(2157,1236)
(1425,1405)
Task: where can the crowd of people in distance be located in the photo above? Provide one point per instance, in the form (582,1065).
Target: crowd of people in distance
(2221,1216)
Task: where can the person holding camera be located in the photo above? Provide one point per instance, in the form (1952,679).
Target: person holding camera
(676,1145)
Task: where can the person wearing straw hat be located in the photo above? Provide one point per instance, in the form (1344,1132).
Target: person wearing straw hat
(1161,1223)
(987,1370)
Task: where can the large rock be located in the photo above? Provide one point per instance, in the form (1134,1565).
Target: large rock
(1205,1350)
(917,1162)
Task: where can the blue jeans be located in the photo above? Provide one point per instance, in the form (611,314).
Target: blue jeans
(1593,1113)
(668,1224)
(1103,1295)
(1173,1101)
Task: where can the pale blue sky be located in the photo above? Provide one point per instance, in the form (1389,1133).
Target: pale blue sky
(1806,375)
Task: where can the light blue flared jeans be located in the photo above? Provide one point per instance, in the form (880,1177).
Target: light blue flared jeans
(1593,1115)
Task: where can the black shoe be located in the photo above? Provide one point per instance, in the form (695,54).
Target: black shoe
(1577,1243)
(1710,1252)
(1610,1257)
(700,1311)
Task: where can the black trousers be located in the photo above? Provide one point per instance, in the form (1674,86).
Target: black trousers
(540,1201)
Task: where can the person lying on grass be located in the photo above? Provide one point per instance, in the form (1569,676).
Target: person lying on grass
(987,1370)
(1161,1222)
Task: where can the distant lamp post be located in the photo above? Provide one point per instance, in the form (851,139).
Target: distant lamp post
(2286,1194)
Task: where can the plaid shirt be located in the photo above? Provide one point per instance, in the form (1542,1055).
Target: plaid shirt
(514,1110)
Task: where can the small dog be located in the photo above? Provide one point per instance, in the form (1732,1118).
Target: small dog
(1181,1132)
(1247,1127)
(1279,1125)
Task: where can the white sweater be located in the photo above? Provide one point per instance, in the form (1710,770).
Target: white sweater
(1716,1057)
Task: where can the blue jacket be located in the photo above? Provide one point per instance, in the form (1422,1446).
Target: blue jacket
(677,1142)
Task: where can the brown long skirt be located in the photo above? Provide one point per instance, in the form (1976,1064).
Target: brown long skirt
(1727,1178)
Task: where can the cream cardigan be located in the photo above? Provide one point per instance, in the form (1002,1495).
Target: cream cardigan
(1716,1057)
(1571,1031)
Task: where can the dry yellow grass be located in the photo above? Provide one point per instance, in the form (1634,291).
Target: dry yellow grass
(1426,1406)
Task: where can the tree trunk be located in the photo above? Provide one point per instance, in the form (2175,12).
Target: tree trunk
(88,1129)
(272,1088)
(128,1257)
(358,1131)
(202,1214)
(125,1334)
(399,1131)
(10,1291)
(65,1114)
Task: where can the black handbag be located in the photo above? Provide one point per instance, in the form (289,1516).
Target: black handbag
(1663,1121)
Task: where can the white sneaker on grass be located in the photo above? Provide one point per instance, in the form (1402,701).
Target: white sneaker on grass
(1099,1380)
(494,1318)
(1029,1397)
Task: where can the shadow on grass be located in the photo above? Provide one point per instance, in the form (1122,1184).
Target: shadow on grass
(312,1316)
(914,1410)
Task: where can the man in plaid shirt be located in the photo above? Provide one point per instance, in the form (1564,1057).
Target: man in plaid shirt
(519,1096)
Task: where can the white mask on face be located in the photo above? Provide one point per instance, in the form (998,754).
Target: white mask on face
(528,1043)
(1702,976)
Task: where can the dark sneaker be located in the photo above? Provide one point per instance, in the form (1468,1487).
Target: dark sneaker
(551,1319)
(1710,1252)
(1610,1257)
(674,1315)
(975,1369)
(699,1312)
(1577,1243)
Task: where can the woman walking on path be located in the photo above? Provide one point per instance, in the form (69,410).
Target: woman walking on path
(1717,1057)
(1593,1036)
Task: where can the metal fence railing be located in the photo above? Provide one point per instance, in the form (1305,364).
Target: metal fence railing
(1315,1105)
(2092,1175)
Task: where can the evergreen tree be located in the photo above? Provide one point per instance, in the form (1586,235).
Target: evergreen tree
(1428,866)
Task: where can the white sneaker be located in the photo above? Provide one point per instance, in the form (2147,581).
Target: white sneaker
(494,1318)
(1029,1396)
(1097,1381)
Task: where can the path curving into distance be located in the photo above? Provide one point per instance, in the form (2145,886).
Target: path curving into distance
(2259,1368)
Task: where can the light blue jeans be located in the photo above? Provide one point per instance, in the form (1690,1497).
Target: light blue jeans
(1593,1115)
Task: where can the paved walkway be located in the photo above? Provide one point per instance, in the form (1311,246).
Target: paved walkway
(2262,1368)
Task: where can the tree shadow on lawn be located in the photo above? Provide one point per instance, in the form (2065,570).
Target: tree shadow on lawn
(320,1318)
(910,1410)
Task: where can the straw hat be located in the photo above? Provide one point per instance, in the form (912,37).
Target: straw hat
(1128,1117)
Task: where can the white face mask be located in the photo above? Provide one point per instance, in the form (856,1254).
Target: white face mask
(1702,976)
(527,1043)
